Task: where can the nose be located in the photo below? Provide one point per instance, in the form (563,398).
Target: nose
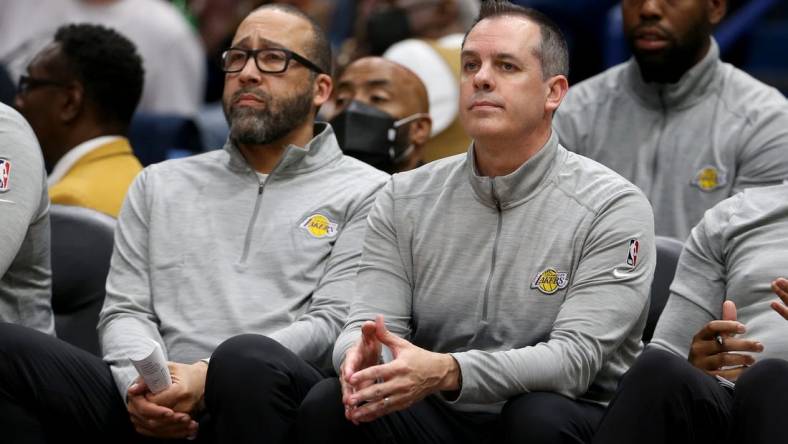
(483,78)
(250,73)
(651,10)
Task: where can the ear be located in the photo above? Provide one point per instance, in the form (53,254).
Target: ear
(73,102)
(322,89)
(419,131)
(557,86)
(717,10)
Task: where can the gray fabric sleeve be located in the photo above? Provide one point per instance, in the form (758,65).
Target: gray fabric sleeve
(698,288)
(21,203)
(127,316)
(313,333)
(604,302)
(383,282)
(764,147)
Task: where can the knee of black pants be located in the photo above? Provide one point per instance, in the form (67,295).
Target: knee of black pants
(769,374)
(658,373)
(535,418)
(322,413)
(18,345)
(243,360)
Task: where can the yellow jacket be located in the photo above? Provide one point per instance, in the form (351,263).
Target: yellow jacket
(99,180)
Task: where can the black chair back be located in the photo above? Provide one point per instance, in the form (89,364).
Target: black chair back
(668,252)
(82,241)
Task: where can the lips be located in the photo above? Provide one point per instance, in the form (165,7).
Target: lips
(484,104)
(650,38)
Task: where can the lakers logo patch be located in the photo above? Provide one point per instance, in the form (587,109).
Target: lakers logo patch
(319,226)
(709,178)
(550,280)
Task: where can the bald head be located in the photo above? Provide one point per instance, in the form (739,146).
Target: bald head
(314,42)
(383,84)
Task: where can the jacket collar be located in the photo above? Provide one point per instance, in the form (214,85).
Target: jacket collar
(520,185)
(321,150)
(691,87)
(88,151)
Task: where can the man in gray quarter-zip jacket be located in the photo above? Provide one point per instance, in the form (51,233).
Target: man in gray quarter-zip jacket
(246,255)
(25,284)
(686,128)
(726,318)
(510,284)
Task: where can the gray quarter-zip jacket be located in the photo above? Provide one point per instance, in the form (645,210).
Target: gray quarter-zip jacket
(25,276)
(687,145)
(734,253)
(534,281)
(205,251)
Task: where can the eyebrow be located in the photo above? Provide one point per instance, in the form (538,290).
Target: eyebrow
(374,83)
(267,43)
(495,56)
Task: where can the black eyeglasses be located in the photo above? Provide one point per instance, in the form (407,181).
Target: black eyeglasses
(26,83)
(268,60)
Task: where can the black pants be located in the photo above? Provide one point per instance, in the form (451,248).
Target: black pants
(253,390)
(52,392)
(532,418)
(664,399)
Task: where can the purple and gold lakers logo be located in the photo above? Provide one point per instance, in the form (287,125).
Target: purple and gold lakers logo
(709,179)
(550,280)
(319,226)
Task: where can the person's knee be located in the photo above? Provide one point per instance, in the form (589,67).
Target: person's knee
(324,397)
(672,372)
(245,358)
(321,413)
(533,418)
(766,375)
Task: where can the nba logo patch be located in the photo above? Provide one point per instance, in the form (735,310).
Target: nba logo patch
(5,175)
(632,256)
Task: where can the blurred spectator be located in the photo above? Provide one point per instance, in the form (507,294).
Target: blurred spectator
(25,277)
(433,53)
(685,127)
(382,114)
(170,49)
(70,96)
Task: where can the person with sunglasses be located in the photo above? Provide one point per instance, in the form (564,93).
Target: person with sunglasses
(239,263)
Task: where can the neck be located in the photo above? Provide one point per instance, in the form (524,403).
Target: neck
(501,156)
(73,137)
(263,158)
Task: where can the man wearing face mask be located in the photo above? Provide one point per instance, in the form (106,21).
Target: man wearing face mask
(425,37)
(382,114)
(686,128)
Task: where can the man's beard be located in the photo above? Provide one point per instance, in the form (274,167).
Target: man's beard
(668,65)
(277,118)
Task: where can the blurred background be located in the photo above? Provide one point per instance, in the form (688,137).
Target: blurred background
(182,40)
